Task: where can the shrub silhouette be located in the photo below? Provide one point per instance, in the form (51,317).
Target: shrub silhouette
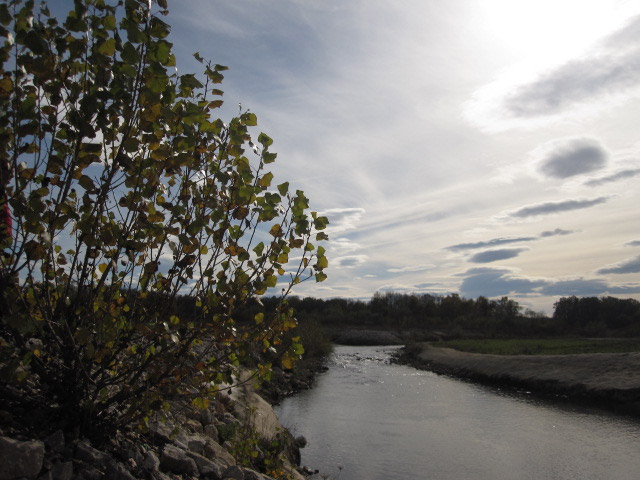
(126,192)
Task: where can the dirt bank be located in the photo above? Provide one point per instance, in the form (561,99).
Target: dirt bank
(609,379)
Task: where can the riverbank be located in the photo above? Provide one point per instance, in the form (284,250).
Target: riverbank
(611,380)
(237,436)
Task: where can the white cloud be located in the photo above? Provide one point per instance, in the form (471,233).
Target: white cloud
(412,268)
(607,73)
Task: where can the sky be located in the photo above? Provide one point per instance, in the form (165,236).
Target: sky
(484,147)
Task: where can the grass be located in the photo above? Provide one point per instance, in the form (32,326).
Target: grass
(555,346)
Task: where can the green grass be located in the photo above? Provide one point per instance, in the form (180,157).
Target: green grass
(556,346)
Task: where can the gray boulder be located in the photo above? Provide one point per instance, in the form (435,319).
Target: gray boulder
(20,459)
(92,456)
(55,441)
(62,470)
(207,468)
(250,474)
(234,472)
(214,451)
(212,432)
(151,461)
(175,460)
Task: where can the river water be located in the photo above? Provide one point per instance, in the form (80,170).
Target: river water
(367,419)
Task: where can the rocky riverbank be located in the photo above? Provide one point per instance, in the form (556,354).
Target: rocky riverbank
(611,380)
(185,442)
(286,383)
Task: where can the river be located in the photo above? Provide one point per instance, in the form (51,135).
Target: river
(367,419)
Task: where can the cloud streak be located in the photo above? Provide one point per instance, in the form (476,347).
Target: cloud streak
(615,177)
(496,255)
(489,243)
(495,242)
(549,208)
(413,268)
(631,265)
(556,232)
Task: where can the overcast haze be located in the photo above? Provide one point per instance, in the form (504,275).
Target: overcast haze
(486,148)
(480,147)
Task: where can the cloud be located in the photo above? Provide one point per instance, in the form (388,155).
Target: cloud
(568,157)
(629,266)
(396,287)
(343,219)
(579,287)
(343,245)
(498,282)
(611,69)
(489,243)
(633,243)
(587,287)
(621,175)
(548,208)
(422,286)
(495,242)
(531,94)
(413,268)
(557,231)
(349,261)
(494,282)
(495,255)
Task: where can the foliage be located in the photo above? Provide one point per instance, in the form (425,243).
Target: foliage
(251,449)
(593,315)
(543,346)
(453,316)
(126,193)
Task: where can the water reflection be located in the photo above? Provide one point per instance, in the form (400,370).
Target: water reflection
(383,421)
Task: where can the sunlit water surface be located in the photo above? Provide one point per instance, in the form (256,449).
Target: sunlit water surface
(367,420)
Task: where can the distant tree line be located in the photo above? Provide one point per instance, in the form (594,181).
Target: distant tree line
(456,316)
(449,316)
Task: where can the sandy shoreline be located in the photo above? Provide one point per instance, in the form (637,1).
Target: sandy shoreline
(610,379)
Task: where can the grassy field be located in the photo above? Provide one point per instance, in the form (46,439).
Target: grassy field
(555,346)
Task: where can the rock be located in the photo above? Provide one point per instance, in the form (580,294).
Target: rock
(163,432)
(253,475)
(62,470)
(151,461)
(300,441)
(20,459)
(90,473)
(206,467)
(193,426)
(234,472)
(175,460)
(212,432)
(117,471)
(205,417)
(214,451)
(55,441)
(160,476)
(92,456)
(229,419)
(196,444)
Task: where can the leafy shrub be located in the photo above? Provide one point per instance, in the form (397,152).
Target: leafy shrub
(127,192)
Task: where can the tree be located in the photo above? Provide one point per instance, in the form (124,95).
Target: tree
(127,192)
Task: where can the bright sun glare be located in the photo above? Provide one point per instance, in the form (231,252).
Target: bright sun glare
(548,31)
(535,37)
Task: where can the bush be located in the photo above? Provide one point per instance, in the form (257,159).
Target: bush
(127,192)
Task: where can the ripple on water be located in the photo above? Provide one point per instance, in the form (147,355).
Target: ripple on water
(383,421)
